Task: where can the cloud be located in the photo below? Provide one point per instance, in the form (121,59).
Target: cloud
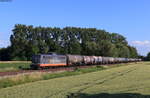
(4,43)
(141,43)
(143,47)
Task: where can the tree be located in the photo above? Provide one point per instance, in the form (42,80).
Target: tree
(29,40)
(133,52)
(5,54)
(18,42)
(117,38)
(123,50)
(105,48)
(148,56)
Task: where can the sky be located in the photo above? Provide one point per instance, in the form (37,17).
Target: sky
(130,18)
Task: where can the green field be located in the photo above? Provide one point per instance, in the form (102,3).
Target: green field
(13,65)
(131,81)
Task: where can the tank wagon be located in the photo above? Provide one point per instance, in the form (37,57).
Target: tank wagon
(56,60)
(74,60)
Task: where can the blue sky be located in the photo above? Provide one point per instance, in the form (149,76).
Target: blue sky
(131,18)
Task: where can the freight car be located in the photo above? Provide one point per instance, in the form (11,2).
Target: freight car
(74,60)
(56,60)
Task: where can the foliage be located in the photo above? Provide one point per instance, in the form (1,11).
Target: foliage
(29,40)
(148,57)
(5,54)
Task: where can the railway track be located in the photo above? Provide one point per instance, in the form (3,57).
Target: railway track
(51,70)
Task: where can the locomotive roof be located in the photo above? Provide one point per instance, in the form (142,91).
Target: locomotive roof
(51,54)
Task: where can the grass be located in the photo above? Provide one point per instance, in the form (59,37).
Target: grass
(130,81)
(13,65)
(37,76)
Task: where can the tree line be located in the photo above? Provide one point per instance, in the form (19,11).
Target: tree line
(145,58)
(29,40)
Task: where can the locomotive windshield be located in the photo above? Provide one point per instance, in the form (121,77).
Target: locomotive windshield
(36,59)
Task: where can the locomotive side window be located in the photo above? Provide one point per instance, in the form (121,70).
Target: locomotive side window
(47,59)
(62,59)
(59,60)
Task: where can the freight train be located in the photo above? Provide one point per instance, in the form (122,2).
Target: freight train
(56,60)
